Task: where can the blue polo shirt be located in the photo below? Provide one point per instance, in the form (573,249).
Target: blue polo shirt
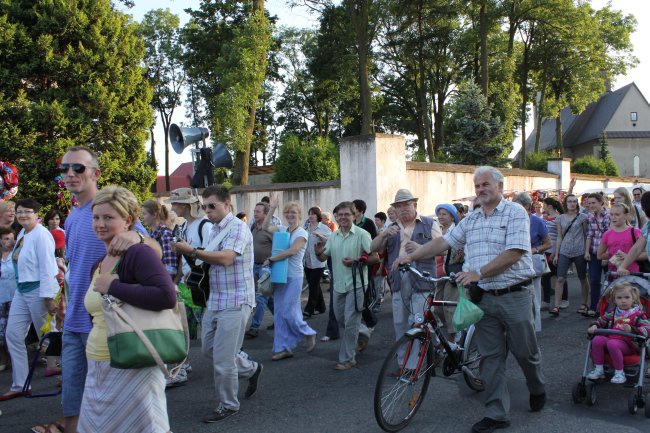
(538,231)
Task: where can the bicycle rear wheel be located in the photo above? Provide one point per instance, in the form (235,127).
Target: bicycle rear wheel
(401,386)
(471,359)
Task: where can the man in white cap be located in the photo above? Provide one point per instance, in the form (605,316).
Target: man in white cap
(194,230)
(400,239)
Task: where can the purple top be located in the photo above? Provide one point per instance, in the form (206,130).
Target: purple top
(143,280)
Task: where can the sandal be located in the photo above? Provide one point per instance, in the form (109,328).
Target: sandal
(54,427)
(555,311)
(584,308)
(590,313)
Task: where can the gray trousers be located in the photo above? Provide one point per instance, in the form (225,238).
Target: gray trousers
(222,335)
(350,319)
(507,325)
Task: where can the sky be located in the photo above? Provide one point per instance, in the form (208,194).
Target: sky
(299,17)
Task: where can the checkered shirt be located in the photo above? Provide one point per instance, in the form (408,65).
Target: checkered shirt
(507,228)
(232,286)
(169,258)
(596,228)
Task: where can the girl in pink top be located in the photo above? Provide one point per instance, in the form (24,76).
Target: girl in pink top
(619,239)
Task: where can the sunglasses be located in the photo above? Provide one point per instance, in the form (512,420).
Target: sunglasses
(211,206)
(77,168)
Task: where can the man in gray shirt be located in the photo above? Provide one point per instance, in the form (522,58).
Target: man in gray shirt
(262,245)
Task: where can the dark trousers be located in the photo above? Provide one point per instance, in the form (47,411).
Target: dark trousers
(595,275)
(332,325)
(315,302)
(547,287)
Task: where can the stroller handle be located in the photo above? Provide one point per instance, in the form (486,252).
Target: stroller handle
(645,275)
(636,337)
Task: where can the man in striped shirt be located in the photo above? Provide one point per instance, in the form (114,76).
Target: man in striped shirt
(229,252)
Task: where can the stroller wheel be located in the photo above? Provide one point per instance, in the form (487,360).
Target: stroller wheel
(590,393)
(632,405)
(647,405)
(578,393)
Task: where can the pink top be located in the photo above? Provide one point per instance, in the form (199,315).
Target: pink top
(622,241)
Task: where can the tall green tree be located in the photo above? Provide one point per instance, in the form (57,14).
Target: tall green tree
(163,60)
(227,45)
(71,74)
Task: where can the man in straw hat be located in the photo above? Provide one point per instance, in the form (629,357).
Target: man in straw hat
(498,257)
(400,239)
(194,231)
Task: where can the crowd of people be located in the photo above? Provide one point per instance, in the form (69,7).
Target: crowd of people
(514,257)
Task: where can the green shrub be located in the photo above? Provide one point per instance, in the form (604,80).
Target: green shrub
(537,161)
(611,169)
(589,165)
(306,161)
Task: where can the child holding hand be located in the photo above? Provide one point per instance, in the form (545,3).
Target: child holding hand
(628,316)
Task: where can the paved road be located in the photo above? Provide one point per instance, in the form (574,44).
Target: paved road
(305,394)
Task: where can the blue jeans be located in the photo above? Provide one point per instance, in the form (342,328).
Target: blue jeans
(262,302)
(74,367)
(595,275)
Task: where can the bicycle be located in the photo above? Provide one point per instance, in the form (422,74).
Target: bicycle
(411,362)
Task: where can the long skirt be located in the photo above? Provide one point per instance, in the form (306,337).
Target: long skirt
(290,327)
(117,400)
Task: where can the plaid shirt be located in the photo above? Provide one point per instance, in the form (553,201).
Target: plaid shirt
(232,286)
(487,236)
(596,228)
(169,258)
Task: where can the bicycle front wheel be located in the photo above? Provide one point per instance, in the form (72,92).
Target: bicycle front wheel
(471,359)
(403,382)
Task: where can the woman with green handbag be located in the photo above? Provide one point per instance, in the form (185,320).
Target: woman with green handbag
(137,278)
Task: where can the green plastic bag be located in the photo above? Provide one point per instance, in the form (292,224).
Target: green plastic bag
(467,313)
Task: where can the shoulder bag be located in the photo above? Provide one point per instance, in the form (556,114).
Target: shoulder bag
(644,265)
(139,338)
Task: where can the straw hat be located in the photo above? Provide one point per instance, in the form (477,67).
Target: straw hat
(182,195)
(403,195)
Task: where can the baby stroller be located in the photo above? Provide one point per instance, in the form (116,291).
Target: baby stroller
(634,365)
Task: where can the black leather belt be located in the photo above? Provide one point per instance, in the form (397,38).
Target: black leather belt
(516,288)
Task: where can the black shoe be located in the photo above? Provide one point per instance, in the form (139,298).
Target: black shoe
(271,327)
(487,425)
(254,381)
(219,414)
(251,333)
(537,402)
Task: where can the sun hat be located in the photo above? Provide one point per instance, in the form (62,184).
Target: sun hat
(449,208)
(402,196)
(182,195)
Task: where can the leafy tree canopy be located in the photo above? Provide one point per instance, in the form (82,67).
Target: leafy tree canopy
(301,161)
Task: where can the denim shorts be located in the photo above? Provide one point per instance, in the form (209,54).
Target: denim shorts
(74,367)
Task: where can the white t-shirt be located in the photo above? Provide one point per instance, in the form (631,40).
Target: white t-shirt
(191,235)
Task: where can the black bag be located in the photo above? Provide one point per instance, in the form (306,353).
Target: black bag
(199,280)
(368,316)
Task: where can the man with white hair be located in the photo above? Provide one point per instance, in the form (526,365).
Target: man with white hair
(497,237)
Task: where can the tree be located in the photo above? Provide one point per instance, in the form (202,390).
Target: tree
(72,75)
(306,161)
(163,60)
(227,44)
(476,128)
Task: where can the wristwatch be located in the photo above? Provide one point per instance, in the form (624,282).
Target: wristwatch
(141,237)
(193,254)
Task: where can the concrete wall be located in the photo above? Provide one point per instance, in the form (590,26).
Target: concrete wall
(633,102)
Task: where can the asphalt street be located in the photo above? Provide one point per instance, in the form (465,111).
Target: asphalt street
(305,394)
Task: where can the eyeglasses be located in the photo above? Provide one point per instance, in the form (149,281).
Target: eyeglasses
(211,206)
(25,212)
(77,168)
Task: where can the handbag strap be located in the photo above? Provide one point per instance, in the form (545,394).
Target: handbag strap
(147,343)
(356,267)
(569,228)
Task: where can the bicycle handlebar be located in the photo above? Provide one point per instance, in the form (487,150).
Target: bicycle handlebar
(425,276)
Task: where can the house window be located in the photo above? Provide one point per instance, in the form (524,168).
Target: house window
(633,116)
(636,164)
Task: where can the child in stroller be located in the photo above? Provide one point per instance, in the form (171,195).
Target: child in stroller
(625,313)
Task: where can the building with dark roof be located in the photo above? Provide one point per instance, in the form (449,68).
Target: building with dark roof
(623,115)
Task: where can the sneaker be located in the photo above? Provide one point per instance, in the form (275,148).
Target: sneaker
(187,367)
(219,414)
(619,377)
(487,425)
(254,381)
(596,373)
(564,304)
(179,380)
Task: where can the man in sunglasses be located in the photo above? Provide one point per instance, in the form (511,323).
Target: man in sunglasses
(229,251)
(80,171)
